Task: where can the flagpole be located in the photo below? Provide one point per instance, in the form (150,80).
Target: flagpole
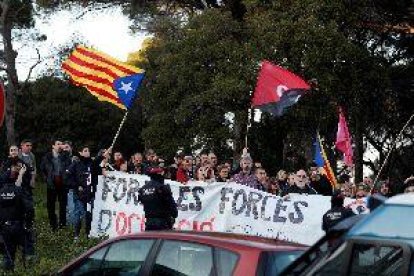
(392,148)
(119,129)
(249,124)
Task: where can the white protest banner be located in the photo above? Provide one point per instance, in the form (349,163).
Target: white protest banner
(220,207)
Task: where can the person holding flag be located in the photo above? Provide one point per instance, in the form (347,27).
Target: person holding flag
(319,181)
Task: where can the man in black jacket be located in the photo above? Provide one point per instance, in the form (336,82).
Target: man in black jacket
(80,180)
(319,182)
(12,215)
(159,205)
(53,167)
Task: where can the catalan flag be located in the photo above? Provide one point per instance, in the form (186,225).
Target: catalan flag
(106,78)
(322,161)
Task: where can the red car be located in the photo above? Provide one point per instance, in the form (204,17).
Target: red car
(185,253)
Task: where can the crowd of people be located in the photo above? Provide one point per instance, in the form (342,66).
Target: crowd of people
(71,177)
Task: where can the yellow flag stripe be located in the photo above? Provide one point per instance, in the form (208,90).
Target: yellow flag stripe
(111,59)
(88,70)
(95,62)
(85,81)
(105,99)
(330,172)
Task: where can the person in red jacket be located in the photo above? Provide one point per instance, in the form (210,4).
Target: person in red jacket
(184,171)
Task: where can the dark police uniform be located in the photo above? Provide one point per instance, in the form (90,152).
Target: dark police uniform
(159,205)
(27,194)
(12,217)
(335,215)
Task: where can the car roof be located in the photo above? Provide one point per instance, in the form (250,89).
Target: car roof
(403,199)
(216,239)
(223,239)
(388,221)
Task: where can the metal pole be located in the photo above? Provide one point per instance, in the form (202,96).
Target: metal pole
(393,146)
(249,124)
(119,129)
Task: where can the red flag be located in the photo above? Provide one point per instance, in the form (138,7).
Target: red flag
(2,104)
(277,89)
(343,140)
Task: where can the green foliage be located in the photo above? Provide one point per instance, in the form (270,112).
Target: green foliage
(20,13)
(202,68)
(52,108)
(203,65)
(194,79)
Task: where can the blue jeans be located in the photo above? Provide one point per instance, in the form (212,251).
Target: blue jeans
(78,213)
(70,209)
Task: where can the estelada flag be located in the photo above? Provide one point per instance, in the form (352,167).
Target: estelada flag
(103,76)
(277,89)
(2,103)
(322,161)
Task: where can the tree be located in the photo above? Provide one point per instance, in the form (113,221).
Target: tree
(12,14)
(44,114)
(194,73)
(18,14)
(189,69)
(202,66)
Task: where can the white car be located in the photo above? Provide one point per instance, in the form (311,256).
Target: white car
(381,243)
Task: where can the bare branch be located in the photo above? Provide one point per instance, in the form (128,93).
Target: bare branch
(91,8)
(39,60)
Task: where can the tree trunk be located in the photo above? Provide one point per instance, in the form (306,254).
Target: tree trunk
(12,79)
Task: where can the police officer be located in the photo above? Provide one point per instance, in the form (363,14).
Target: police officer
(25,182)
(159,205)
(12,214)
(337,212)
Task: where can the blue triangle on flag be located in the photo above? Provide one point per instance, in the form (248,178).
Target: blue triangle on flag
(317,157)
(127,87)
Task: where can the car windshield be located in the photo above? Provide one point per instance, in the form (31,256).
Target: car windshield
(272,263)
(388,221)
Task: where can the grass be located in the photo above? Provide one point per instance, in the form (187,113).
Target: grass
(53,249)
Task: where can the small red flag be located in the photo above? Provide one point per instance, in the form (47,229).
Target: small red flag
(277,89)
(343,140)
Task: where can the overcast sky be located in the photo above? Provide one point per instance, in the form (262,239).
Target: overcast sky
(106,30)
